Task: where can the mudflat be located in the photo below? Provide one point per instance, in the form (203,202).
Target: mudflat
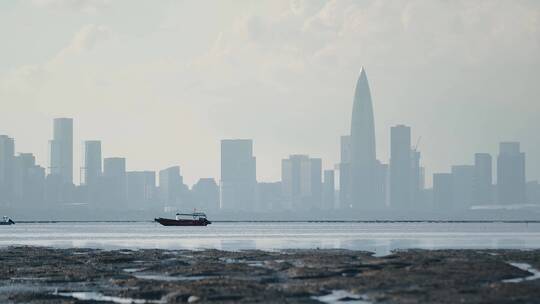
(48,275)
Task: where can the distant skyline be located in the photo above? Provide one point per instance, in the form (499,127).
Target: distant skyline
(462,74)
(367,186)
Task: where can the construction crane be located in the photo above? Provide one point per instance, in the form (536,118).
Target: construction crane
(417,143)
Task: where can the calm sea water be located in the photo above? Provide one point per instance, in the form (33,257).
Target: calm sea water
(377,237)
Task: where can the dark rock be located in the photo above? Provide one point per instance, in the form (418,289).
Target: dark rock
(31,274)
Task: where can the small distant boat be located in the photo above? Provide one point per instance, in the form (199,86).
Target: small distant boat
(190,219)
(6,221)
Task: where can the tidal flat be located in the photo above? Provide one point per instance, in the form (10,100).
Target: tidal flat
(75,275)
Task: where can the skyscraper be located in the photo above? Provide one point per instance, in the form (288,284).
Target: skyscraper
(382,183)
(316,182)
(511,187)
(28,182)
(270,196)
(206,194)
(170,186)
(483,180)
(443,191)
(114,176)
(417,179)
(7,163)
(23,163)
(114,167)
(400,167)
(35,184)
(238,175)
(533,192)
(141,189)
(301,182)
(345,172)
(363,166)
(92,162)
(462,185)
(61,162)
(328,190)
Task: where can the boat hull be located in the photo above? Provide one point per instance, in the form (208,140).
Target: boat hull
(10,222)
(171,222)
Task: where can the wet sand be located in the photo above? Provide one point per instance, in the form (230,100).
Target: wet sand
(46,275)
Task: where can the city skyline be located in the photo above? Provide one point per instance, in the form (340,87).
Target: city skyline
(78,161)
(367,186)
(80,172)
(273,71)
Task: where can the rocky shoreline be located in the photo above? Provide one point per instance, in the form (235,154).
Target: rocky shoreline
(47,275)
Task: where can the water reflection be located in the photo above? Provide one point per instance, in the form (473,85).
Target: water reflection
(512,243)
(237,245)
(380,238)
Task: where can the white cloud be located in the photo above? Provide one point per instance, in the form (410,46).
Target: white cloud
(84,40)
(23,82)
(28,79)
(421,31)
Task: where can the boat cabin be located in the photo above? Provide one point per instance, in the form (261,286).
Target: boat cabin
(195,215)
(6,221)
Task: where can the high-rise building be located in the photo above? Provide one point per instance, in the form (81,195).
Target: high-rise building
(417,180)
(363,166)
(301,182)
(61,162)
(35,183)
(170,186)
(23,163)
(511,187)
(7,160)
(483,180)
(141,189)
(206,194)
(329,190)
(316,182)
(114,182)
(462,185)
(443,191)
(533,192)
(345,149)
(238,175)
(29,181)
(114,167)
(400,167)
(345,172)
(269,196)
(291,170)
(382,183)
(92,162)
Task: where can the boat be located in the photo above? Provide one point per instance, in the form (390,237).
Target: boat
(6,221)
(193,219)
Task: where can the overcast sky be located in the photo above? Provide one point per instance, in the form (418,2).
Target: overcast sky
(161,82)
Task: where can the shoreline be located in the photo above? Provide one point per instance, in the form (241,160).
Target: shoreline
(295,221)
(48,275)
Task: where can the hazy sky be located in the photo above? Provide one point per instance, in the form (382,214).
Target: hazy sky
(161,82)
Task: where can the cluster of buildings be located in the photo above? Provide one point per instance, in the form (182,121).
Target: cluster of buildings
(359,184)
(466,186)
(105,183)
(362,184)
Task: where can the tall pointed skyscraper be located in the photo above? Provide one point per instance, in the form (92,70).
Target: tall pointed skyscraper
(362,124)
(364,188)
